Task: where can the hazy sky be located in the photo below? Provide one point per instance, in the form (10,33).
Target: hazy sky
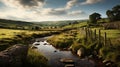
(52,10)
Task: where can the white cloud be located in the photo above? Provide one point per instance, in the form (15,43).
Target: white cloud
(44,15)
(26,4)
(71,3)
(59,11)
(76,12)
(29,10)
(51,11)
(14,13)
(90,2)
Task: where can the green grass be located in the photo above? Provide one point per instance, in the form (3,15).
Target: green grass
(66,39)
(9,37)
(9,33)
(82,24)
(61,41)
(36,59)
(111,33)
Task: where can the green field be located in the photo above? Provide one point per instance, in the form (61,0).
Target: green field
(81,24)
(10,33)
(111,33)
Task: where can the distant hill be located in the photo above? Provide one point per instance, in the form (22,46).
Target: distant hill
(5,23)
(14,22)
(58,23)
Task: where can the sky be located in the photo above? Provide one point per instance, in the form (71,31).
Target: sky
(53,10)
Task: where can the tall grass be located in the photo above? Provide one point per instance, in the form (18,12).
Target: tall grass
(10,37)
(36,59)
(61,42)
(9,33)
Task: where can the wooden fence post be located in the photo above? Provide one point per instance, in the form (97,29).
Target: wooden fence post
(95,34)
(99,37)
(105,39)
(91,35)
(86,33)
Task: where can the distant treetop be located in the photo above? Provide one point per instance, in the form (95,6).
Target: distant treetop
(114,14)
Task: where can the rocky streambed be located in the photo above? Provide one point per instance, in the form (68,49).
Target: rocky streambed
(60,58)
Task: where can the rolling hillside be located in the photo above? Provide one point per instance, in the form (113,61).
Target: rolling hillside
(9,23)
(58,23)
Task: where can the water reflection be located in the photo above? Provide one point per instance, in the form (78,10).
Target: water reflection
(54,55)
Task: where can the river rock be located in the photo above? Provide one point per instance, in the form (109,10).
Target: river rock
(69,65)
(80,52)
(34,47)
(67,60)
(13,56)
(36,43)
(55,51)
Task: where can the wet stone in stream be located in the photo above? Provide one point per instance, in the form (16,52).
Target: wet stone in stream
(55,56)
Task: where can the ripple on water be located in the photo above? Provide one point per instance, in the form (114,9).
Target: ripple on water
(54,55)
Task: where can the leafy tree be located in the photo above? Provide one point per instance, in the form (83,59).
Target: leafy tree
(114,14)
(110,15)
(94,17)
(116,11)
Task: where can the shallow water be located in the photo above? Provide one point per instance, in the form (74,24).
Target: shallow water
(54,55)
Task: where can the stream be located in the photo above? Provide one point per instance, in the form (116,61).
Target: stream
(54,55)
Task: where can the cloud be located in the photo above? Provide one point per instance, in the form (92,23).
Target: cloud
(76,12)
(15,10)
(13,13)
(71,3)
(23,3)
(90,2)
(47,14)
(51,11)
(59,11)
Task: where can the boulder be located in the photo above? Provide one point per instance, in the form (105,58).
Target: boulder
(67,60)
(80,52)
(13,56)
(69,65)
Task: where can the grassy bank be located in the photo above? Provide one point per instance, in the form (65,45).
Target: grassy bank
(66,39)
(9,37)
(36,59)
(95,48)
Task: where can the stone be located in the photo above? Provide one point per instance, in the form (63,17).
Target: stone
(66,60)
(36,43)
(80,52)
(55,51)
(13,56)
(34,47)
(69,65)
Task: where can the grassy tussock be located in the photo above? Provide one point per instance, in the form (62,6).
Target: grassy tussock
(66,39)
(60,42)
(36,59)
